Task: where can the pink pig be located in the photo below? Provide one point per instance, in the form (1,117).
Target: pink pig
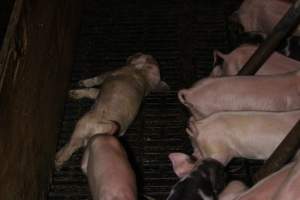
(225,135)
(242,93)
(235,60)
(262,16)
(109,173)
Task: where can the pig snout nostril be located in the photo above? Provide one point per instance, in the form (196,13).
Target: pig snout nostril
(181,96)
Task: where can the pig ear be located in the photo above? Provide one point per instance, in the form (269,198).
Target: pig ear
(234,17)
(162,87)
(133,57)
(219,57)
(181,163)
(216,72)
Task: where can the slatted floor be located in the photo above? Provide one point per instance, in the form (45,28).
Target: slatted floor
(182,36)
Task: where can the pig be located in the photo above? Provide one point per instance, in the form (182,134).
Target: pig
(224,135)
(262,16)
(242,93)
(117,101)
(235,60)
(289,190)
(232,190)
(109,172)
(204,182)
(264,189)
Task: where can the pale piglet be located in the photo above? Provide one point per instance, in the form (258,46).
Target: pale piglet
(225,135)
(242,93)
(109,173)
(262,16)
(117,101)
(230,64)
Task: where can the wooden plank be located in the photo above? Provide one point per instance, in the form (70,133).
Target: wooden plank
(35,64)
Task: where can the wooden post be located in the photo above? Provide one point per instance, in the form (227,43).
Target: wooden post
(35,62)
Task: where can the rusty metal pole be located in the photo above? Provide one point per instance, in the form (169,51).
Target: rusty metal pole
(284,27)
(289,146)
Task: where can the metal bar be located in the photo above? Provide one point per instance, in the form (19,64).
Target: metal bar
(284,27)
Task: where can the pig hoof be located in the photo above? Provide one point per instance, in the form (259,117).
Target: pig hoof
(73,94)
(58,165)
(81,84)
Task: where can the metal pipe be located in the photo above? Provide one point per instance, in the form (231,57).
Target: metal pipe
(284,27)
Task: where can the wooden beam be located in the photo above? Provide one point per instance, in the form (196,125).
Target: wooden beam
(35,62)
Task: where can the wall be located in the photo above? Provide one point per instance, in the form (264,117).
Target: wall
(35,62)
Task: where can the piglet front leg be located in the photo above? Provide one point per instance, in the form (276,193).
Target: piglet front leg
(109,173)
(85,128)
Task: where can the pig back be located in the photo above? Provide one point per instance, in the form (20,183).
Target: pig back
(119,99)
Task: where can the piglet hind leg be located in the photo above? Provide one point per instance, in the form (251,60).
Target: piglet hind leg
(90,93)
(85,128)
(91,82)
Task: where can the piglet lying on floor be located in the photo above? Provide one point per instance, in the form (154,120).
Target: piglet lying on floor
(117,101)
(204,182)
(108,170)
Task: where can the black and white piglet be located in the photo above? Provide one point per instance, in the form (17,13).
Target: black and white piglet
(205,182)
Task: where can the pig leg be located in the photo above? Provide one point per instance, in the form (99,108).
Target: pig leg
(98,80)
(85,128)
(289,190)
(90,93)
(232,190)
(266,188)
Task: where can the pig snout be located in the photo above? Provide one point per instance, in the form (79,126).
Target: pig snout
(182,96)
(204,182)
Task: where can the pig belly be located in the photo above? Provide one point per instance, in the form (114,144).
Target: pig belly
(119,101)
